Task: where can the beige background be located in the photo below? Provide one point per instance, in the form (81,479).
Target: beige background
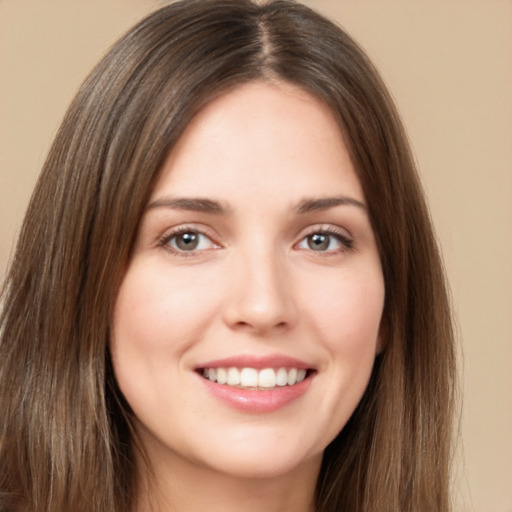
(449,66)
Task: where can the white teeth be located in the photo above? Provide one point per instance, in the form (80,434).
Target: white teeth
(267,378)
(282,377)
(222,376)
(292,376)
(233,377)
(251,378)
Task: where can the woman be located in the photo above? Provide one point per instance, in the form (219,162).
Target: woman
(227,281)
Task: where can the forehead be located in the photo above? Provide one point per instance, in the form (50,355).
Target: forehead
(260,137)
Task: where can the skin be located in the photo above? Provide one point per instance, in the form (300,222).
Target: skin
(254,285)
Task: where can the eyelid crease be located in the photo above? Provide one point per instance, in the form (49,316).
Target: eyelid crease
(327,228)
(344,238)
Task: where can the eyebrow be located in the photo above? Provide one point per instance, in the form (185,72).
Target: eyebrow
(196,204)
(324,203)
(199,204)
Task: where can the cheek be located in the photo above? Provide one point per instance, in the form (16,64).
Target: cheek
(349,309)
(156,318)
(158,310)
(340,314)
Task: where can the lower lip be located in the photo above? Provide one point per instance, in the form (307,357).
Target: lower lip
(256,401)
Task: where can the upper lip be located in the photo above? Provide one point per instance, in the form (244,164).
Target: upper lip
(257,362)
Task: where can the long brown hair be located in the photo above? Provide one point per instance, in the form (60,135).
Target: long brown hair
(66,440)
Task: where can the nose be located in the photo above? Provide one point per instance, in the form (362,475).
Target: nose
(260,298)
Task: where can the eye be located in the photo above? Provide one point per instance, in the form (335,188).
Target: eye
(188,240)
(325,241)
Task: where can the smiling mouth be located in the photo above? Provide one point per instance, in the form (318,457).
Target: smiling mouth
(252,378)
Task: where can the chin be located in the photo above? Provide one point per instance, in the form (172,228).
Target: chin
(266,466)
(260,455)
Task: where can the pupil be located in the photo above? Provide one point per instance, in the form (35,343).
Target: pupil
(187,241)
(318,242)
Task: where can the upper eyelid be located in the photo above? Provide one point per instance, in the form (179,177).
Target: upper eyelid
(325,228)
(168,234)
(184,228)
(343,236)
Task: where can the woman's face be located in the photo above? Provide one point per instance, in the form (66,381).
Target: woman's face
(247,323)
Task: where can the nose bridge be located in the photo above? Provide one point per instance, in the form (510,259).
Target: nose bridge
(261,293)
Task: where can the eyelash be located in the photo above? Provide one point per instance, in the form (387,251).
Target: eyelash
(166,239)
(346,242)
